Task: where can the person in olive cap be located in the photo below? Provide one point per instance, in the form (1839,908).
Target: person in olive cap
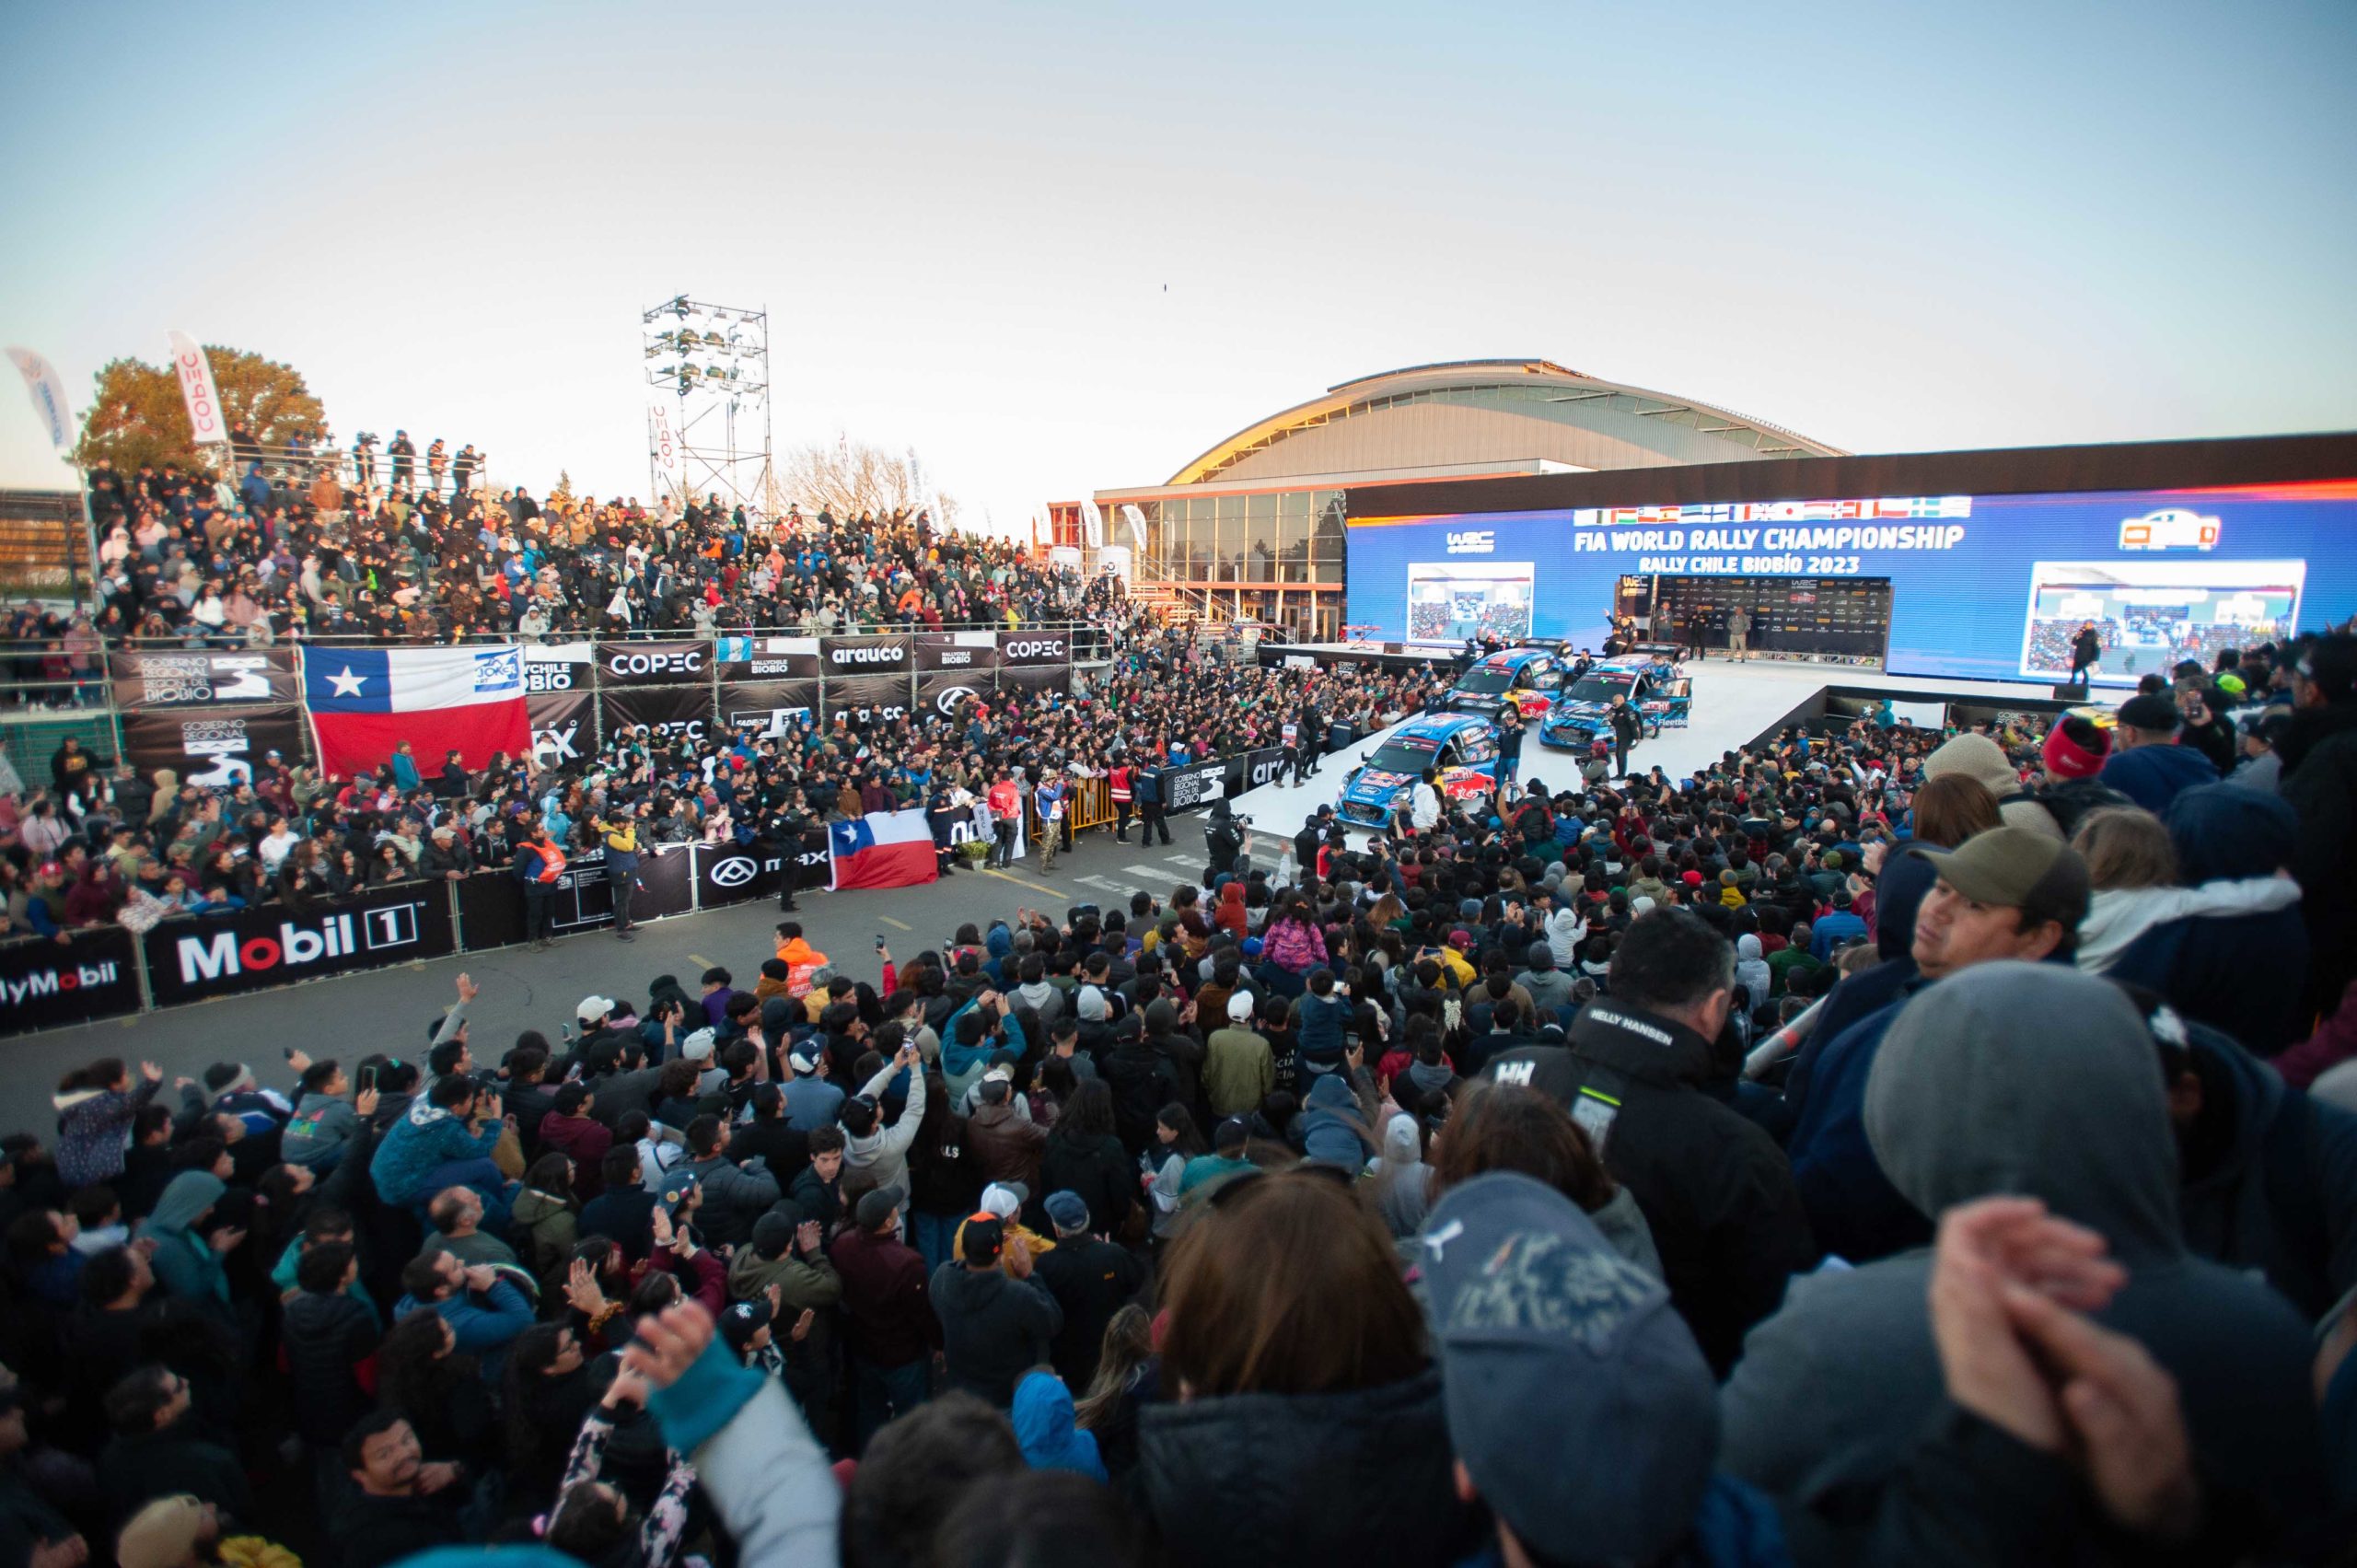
(2005,893)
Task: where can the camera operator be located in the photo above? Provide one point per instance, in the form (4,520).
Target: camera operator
(1224,836)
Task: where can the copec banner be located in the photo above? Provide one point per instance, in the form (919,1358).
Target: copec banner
(93,973)
(1982,586)
(191,959)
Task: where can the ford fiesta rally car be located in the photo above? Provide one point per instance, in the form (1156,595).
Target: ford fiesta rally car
(1583,712)
(1462,745)
(1528,677)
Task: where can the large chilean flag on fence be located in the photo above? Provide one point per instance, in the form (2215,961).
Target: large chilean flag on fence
(364,701)
(883,849)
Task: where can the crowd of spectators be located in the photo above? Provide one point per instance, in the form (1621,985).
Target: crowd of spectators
(1882,1146)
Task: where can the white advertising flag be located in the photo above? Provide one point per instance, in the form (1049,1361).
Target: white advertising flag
(1136,521)
(1092,525)
(206,419)
(48,390)
(663,442)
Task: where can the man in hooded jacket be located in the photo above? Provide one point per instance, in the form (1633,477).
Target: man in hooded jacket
(2030,1079)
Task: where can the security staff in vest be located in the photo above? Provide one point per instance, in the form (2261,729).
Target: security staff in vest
(620,833)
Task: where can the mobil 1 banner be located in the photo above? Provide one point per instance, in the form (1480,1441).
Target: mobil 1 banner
(491,903)
(1196,783)
(185,679)
(676,714)
(868,700)
(559,667)
(766,658)
(655,664)
(191,959)
(562,732)
(216,748)
(959,652)
(92,974)
(1032,680)
(766,709)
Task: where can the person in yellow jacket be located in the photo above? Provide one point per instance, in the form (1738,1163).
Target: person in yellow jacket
(621,834)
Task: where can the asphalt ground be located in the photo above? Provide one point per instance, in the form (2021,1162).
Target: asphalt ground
(393,1010)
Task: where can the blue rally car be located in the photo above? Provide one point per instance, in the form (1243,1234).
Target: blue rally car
(1663,696)
(1528,677)
(1464,746)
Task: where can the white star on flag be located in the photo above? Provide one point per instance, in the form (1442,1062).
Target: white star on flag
(347,684)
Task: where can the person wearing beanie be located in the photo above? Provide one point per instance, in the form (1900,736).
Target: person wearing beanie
(1549,987)
(1835,1391)
(996,1323)
(2146,763)
(1092,1277)
(2005,893)
(2075,748)
(1981,759)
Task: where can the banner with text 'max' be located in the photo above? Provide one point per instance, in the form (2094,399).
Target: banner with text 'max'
(191,959)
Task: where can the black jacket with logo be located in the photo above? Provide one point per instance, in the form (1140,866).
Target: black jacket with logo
(1715,1189)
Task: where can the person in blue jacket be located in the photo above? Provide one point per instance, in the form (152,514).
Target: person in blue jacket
(2146,763)
(2003,893)
(404,765)
(440,1142)
(486,1309)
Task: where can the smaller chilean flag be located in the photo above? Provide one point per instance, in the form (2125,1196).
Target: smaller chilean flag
(364,701)
(883,849)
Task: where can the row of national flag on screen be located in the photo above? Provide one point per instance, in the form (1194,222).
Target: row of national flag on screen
(364,701)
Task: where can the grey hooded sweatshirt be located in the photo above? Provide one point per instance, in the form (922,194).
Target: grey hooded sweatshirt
(2031,1079)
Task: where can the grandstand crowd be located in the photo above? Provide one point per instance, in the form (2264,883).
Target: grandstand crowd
(1883,1146)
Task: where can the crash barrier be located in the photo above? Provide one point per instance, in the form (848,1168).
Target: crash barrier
(111,971)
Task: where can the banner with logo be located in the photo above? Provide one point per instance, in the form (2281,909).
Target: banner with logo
(1021,649)
(940,692)
(207,421)
(764,708)
(867,698)
(186,679)
(50,401)
(559,667)
(663,447)
(563,734)
(654,664)
(1258,768)
(727,874)
(491,903)
(766,658)
(195,958)
(217,750)
(849,656)
(965,652)
(674,713)
(92,974)
(1035,679)
(1196,783)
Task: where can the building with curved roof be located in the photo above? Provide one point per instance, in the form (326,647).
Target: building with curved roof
(1254,525)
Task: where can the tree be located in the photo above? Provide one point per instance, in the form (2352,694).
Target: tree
(847,477)
(139,416)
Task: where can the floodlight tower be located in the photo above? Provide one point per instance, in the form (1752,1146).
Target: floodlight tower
(712,434)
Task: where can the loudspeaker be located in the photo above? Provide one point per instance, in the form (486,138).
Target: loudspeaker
(2073,694)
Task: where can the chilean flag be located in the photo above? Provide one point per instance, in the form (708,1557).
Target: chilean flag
(883,849)
(364,701)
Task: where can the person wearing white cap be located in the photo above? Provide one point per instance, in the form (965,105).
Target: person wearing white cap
(1239,1067)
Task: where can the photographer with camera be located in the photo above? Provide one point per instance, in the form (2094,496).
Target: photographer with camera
(1224,836)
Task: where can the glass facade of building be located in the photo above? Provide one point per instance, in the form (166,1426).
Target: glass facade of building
(1273,556)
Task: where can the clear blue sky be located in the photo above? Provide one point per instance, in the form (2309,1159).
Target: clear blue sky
(1888,226)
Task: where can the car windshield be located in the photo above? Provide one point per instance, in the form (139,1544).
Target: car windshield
(1601,688)
(1485,682)
(1403,756)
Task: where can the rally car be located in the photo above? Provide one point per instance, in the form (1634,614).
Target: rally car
(1663,696)
(1462,745)
(1528,677)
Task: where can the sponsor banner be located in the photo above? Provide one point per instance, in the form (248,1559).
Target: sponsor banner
(559,667)
(866,656)
(1260,767)
(1196,783)
(764,708)
(491,903)
(1017,650)
(188,679)
(92,974)
(868,699)
(217,750)
(563,731)
(195,958)
(1339,736)
(1036,678)
(655,664)
(766,658)
(965,651)
(735,875)
(673,712)
(940,692)
(964,831)
(207,421)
